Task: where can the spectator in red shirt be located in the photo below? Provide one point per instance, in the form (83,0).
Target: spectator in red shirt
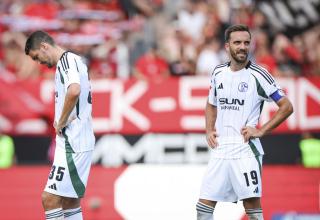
(151,66)
(288,57)
(262,52)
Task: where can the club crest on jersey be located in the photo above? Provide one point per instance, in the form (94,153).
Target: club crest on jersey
(243,87)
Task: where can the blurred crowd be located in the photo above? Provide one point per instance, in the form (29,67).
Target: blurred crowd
(150,39)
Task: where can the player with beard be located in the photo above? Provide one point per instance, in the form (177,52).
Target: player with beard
(237,92)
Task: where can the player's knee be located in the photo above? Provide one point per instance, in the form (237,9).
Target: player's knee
(251,203)
(208,202)
(70,203)
(50,201)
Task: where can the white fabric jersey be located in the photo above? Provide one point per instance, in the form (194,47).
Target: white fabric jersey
(239,98)
(79,133)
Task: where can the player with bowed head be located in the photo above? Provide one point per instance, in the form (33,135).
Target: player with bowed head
(237,93)
(73,124)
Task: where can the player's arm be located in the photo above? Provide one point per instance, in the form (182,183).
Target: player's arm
(284,111)
(71,99)
(211,116)
(211,113)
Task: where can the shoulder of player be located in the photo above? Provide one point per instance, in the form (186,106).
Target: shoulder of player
(260,73)
(68,58)
(68,55)
(64,61)
(219,68)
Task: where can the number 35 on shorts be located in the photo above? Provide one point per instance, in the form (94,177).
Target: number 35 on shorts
(56,172)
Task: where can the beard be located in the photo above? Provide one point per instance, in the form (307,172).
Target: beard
(242,59)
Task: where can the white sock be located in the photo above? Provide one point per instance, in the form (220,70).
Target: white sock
(204,212)
(73,214)
(54,214)
(254,214)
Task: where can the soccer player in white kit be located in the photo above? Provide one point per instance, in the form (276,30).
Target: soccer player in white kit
(237,92)
(73,124)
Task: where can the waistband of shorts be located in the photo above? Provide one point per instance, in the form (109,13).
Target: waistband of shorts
(230,140)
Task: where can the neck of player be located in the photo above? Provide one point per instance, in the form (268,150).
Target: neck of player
(58,53)
(236,66)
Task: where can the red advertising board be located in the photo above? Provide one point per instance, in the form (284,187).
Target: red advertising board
(134,107)
(286,189)
(21,189)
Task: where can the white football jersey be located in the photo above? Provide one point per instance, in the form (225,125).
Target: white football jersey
(239,97)
(79,133)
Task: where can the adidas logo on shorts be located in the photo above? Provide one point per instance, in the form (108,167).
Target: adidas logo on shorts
(256,190)
(53,186)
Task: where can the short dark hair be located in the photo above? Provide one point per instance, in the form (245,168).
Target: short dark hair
(35,39)
(234,28)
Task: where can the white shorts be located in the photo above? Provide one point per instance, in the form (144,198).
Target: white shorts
(69,173)
(231,180)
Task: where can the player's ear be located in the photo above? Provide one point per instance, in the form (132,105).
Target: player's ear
(44,46)
(227,46)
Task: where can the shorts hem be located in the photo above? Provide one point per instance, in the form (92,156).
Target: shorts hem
(61,194)
(216,199)
(248,197)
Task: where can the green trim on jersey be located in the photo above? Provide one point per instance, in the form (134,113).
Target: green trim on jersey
(75,179)
(78,107)
(256,153)
(67,143)
(260,90)
(254,149)
(61,77)
(257,158)
(261,107)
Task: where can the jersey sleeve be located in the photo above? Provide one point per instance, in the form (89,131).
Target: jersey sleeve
(69,62)
(212,98)
(267,87)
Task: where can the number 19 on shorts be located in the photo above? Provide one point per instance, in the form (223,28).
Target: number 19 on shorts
(253,177)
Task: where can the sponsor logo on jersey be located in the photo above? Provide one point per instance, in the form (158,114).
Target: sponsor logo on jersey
(220,86)
(226,101)
(243,87)
(230,104)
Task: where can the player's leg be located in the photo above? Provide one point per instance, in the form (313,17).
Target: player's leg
(253,208)
(65,183)
(71,208)
(205,209)
(79,177)
(215,187)
(52,205)
(51,196)
(246,180)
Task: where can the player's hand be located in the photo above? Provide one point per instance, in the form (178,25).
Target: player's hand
(250,132)
(212,138)
(59,126)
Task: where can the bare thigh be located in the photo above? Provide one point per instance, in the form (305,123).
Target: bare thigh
(51,201)
(70,203)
